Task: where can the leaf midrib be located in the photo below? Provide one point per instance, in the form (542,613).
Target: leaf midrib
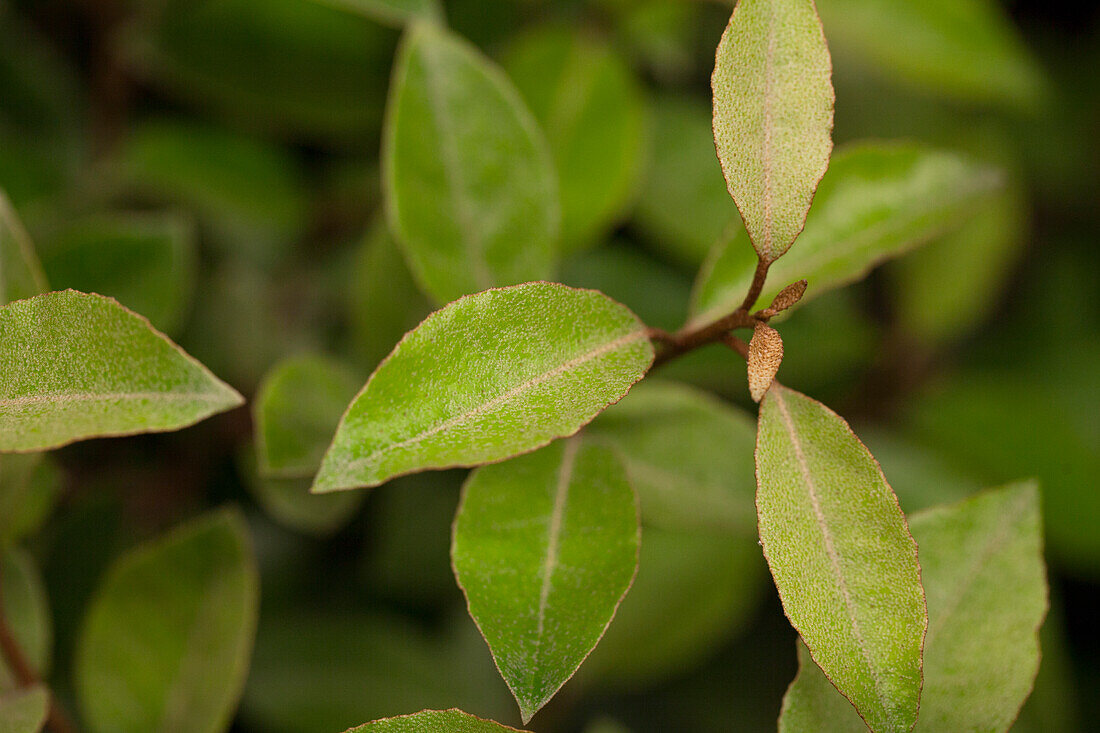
(61,398)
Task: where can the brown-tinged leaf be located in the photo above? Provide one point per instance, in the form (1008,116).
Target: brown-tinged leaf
(787,298)
(765,356)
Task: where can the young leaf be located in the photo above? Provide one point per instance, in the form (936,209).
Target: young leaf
(876,202)
(842,556)
(167,639)
(592,109)
(787,298)
(487,377)
(21,274)
(982,566)
(765,356)
(24,711)
(297,408)
(391,12)
(545,547)
(688,455)
(29,487)
(27,613)
(468,177)
(427,721)
(76,366)
(773,116)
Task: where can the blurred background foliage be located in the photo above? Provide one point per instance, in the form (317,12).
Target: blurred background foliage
(214,165)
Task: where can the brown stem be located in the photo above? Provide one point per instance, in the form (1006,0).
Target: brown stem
(17,662)
(737,345)
(757,286)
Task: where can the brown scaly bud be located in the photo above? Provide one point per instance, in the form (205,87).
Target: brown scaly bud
(765,356)
(787,297)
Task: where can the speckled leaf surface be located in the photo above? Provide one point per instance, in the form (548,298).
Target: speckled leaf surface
(21,274)
(297,408)
(471,192)
(167,638)
(688,455)
(27,612)
(545,546)
(982,566)
(878,200)
(76,366)
(773,116)
(487,377)
(841,556)
(433,721)
(24,711)
(391,12)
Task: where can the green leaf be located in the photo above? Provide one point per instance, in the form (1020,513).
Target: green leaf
(21,274)
(167,639)
(487,377)
(76,366)
(470,188)
(545,547)
(982,566)
(391,12)
(30,485)
(145,261)
(297,408)
(426,721)
(688,454)
(592,109)
(966,49)
(773,116)
(24,711)
(27,613)
(289,501)
(842,556)
(876,202)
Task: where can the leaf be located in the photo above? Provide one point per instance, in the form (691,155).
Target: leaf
(289,502)
(545,547)
(586,98)
(765,356)
(470,188)
(145,261)
(297,408)
(27,612)
(982,566)
(21,274)
(688,455)
(452,721)
(24,711)
(30,485)
(391,12)
(167,638)
(842,556)
(876,202)
(773,116)
(485,378)
(76,366)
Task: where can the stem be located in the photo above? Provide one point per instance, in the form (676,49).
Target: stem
(12,654)
(757,286)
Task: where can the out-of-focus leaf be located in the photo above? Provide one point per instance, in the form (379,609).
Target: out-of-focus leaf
(688,455)
(545,547)
(27,613)
(876,202)
(452,721)
(21,273)
(248,191)
(76,366)
(683,207)
(842,556)
(487,377)
(391,12)
(297,408)
(324,672)
(921,477)
(982,567)
(591,107)
(167,639)
(288,66)
(660,35)
(146,262)
(385,300)
(948,287)
(773,116)
(471,192)
(24,711)
(694,590)
(967,49)
(289,501)
(29,488)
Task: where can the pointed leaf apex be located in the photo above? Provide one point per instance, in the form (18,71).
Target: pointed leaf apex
(787,298)
(765,356)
